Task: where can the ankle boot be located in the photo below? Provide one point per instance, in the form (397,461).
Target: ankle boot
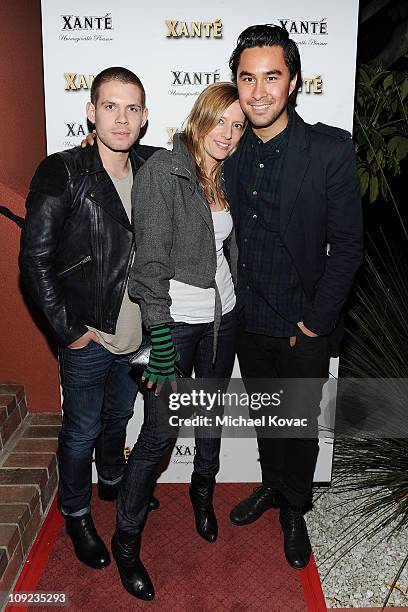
(89,547)
(201,495)
(133,574)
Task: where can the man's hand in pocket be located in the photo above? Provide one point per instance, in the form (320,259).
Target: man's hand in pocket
(306,331)
(84,340)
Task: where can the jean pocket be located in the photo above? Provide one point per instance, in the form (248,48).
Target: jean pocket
(309,337)
(81,348)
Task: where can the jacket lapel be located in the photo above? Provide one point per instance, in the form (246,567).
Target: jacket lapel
(295,165)
(104,194)
(103,191)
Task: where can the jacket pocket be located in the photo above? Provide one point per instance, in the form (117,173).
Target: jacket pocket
(74,267)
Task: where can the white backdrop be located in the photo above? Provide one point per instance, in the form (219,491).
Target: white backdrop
(177,49)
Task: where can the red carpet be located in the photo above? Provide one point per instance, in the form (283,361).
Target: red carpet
(245,570)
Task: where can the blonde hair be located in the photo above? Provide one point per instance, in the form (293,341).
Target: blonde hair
(204,116)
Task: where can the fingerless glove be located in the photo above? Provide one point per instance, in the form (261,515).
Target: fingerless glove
(163,355)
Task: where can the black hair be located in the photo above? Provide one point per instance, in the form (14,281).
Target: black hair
(266,36)
(116,73)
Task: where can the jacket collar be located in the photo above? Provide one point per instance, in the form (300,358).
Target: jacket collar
(182,162)
(298,137)
(103,191)
(294,169)
(93,163)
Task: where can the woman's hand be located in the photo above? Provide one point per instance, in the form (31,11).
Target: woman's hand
(89,140)
(162,358)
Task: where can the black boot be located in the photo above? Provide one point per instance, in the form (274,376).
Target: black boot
(201,495)
(296,539)
(89,548)
(133,574)
(109,492)
(251,508)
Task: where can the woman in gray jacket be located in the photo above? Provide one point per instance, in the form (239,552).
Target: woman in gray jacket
(183,283)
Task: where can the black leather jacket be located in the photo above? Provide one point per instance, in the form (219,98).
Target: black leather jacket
(77,242)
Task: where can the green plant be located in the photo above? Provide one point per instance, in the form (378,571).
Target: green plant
(376,335)
(380,128)
(375,471)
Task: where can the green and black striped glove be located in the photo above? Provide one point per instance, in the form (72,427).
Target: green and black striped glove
(163,355)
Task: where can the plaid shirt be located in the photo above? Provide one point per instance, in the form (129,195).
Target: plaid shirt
(270,298)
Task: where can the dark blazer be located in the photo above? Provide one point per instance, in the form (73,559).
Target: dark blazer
(320,205)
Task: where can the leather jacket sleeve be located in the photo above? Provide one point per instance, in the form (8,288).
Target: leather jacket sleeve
(48,206)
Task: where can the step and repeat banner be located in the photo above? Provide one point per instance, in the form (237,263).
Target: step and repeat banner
(177,49)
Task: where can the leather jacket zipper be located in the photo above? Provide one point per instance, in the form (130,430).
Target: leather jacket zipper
(99,264)
(74,266)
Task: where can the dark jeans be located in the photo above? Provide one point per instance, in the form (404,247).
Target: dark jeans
(99,392)
(195,345)
(287,464)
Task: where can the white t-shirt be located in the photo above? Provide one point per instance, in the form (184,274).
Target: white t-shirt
(191,304)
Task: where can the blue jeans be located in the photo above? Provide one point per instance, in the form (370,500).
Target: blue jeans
(99,393)
(195,345)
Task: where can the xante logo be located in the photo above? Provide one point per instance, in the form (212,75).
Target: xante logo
(312,85)
(87,22)
(75,129)
(195,78)
(182,450)
(195,29)
(76,81)
(304,27)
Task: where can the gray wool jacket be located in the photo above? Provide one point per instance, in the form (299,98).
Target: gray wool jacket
(174,234)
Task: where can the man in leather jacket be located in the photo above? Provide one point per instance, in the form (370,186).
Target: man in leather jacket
(76,252)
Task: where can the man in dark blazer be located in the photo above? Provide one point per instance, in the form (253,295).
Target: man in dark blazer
(295,200)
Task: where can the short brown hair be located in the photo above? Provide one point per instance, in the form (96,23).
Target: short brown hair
(116,73)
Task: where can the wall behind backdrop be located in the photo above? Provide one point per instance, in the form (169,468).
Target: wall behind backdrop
(177,49)
(26,355)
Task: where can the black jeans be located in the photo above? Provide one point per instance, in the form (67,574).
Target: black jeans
(195,345)
(99,393)
(287,464)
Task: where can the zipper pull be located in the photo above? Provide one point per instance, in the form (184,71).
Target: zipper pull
(83,262)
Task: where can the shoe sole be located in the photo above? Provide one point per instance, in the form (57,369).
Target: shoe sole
(253,520)
(242,523)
